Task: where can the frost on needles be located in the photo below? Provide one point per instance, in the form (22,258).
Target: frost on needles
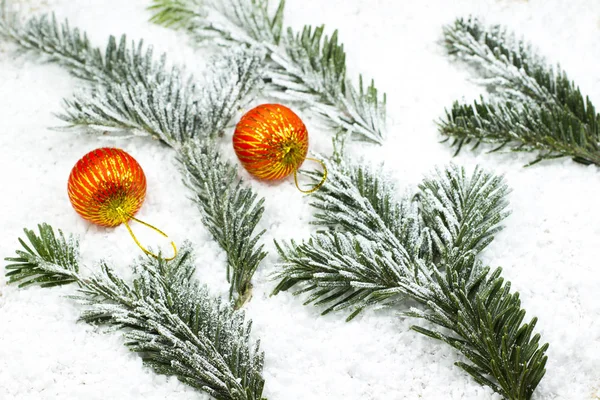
(377,251)
(165,315)
(532,107)
(307,67)
(131,89)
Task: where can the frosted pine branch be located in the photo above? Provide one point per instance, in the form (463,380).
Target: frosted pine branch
(166,104)
(532,107)
(59,43)
(369,259)
(231,212)
(48,260)
(363,202)
(485,321)
(134,89)
(452,215)
(344,271)
(306,67)
(507,66)
(463,212)
(167,317)
(550,132)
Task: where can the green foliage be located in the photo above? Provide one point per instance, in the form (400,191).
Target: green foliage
(174,13)
(551,132)
(49,259)
(533,108)
(235,21)
(462,212)
(378,251)
(362,202)
(307,67)
(230,211)
(165,104)
(133,89)
(481,318)
(343,271)
(59,43)
(165,315)
(452,215)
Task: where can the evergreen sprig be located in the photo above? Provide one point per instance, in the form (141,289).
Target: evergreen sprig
(132,90)
(462,212)
(532,106)
(343,271)
(231,212)
(61,44)
(485,323)
(363,202)
(165,104)
(452,215)
(307,67)
(49,259)
(165,315)
(378,251)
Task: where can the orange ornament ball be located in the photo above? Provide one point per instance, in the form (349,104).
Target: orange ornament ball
(271,141)
(107,186)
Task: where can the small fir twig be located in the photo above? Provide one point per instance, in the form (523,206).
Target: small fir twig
(231,213)
(533,107)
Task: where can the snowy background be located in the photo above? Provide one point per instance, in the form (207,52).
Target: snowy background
(549,249)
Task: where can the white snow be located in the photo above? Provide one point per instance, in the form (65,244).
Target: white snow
(548,249)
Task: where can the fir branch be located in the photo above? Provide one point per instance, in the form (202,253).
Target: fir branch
(551,132)
(166,105)
(344,271)
(169,319)
(555,119)
(358,200)
(360,266)
(508,66)
(307,67)
(134,91)
(227,22)
(463,213)
(453,215)
(231,211)
(59,43)
(49,259)
(486,324)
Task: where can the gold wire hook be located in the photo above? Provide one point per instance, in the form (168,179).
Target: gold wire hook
(318,185)
(128,216)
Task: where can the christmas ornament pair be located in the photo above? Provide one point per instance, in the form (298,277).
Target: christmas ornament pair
(107,186)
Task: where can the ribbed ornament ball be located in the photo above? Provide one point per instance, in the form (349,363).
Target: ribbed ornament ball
(271,141)
(107,186)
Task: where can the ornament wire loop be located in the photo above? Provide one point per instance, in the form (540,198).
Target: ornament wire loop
(151,227)
(318,185)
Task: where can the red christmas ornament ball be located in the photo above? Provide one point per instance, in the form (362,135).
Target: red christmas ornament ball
(271,141)
(107,186)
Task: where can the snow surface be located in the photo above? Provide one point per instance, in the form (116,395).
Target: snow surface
(549,249)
